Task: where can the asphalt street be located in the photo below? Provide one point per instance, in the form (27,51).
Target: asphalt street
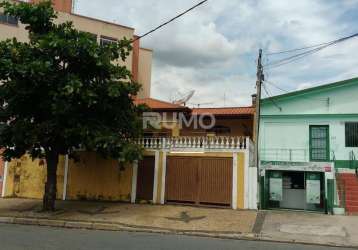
(16,237)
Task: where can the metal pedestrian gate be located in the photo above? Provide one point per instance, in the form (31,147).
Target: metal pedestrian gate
(199,180)
(145,179)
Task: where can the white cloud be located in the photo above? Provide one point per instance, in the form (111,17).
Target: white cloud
(213,48)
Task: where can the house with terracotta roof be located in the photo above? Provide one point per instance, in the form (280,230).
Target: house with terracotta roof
(197,156)
(229,121)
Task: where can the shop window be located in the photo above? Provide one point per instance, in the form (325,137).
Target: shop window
(107,40)
(8,19)
(352,134)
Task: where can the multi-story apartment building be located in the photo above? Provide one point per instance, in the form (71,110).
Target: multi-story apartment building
(139,62)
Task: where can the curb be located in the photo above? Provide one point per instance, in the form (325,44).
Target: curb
(132,228)
(121,227)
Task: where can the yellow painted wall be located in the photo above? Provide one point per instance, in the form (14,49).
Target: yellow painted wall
(26,178)
(92,178)
(96,178)
(241,180)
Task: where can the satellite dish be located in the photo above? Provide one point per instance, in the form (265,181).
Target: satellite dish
(185,98)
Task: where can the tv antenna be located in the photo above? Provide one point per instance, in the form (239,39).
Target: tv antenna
(198,105)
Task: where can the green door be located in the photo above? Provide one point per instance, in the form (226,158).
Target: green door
(319,143)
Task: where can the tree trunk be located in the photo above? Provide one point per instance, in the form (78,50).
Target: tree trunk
(51,182)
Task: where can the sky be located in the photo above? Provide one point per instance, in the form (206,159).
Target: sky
(213,49)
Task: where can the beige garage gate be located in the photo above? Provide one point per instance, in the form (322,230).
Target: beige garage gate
(199,180)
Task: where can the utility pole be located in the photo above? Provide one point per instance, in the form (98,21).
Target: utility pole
(260,79)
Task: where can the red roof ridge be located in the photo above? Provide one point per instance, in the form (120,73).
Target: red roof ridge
(225,111)
(241,107)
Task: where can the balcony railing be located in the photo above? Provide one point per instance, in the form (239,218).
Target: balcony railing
(287,155)
(196,142)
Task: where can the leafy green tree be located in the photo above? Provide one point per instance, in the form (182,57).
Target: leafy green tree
(61,92)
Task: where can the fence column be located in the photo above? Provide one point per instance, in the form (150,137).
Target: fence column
(330,196)
(134,182)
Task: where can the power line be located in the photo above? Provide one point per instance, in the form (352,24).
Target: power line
(270,97)
(276,86)
(306,53)
(294,57)
(298,49)
(171,20)
(303,97)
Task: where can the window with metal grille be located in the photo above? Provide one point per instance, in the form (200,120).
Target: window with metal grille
(319,143)
(351,134)
(107,40)
(8,19)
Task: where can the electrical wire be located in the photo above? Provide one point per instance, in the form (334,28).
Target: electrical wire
(276,86)
(169,21)
(298,49)
(303,97)
(270,97)
(315,49)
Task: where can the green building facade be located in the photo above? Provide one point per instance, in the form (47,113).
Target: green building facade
(306,138)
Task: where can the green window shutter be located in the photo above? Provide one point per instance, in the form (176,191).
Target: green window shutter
(319,143)
(351,134)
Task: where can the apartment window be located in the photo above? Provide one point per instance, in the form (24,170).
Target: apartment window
(107,40)
(352,134)
(8,19)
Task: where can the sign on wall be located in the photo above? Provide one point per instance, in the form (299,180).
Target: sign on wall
(276,189)
(313,189)
(298,166)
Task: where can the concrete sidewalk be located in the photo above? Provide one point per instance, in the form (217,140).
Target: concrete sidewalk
(312,228)
(135,216)
(283,226)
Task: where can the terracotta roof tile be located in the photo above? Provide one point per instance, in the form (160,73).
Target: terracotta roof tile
(162,105)
(232,111)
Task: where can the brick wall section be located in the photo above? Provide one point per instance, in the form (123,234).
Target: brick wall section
(60,5)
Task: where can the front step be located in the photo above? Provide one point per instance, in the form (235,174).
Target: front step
(352,209)
(349,183)
(352,203)
(350,197)
(350,188)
